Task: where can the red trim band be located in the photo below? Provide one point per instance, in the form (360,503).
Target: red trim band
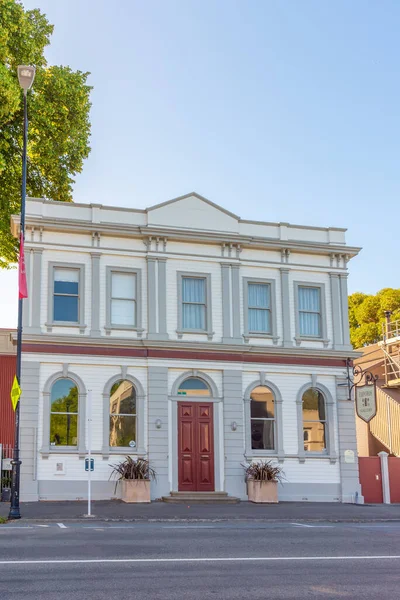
(184,355)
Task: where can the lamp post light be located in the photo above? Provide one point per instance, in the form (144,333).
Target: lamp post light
(26,75)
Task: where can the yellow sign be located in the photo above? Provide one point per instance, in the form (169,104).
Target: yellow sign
(15,393)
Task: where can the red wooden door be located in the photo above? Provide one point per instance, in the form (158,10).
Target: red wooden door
(371,479)
(394,479)
(195,447)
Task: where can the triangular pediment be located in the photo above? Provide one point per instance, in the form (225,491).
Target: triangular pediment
(193,212)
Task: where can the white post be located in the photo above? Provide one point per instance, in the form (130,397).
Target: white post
(385,476)
(89,434)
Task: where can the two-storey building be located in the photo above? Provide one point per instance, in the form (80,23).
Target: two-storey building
(202,340)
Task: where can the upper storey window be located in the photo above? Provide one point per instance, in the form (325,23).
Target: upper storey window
(194,304)
(259,307)
(66,295)
(309,302)
(123,299)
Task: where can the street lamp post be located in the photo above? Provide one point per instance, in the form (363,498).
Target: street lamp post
(26,75)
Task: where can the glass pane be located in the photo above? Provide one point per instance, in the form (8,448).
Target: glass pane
(122,431)
(194,316)
(123,398)
(123,285)
(123,312)
(63,430)
(193,289)
(194,387)
(262,435)
(64,396)
(309,298)
(259,320)
(66,308)
(313,405)
(315,433)
(310,324)
(66,275)
(259,295)
(262,403)
(65,287)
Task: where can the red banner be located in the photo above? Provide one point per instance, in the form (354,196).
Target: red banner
(22,285)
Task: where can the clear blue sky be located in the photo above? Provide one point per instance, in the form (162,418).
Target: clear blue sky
(281,110)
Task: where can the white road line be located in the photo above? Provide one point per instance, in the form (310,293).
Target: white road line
(42,525)
(77,561)
(62,526)
(302,525)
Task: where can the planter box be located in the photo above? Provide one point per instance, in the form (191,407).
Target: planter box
(262,491)
(136,490)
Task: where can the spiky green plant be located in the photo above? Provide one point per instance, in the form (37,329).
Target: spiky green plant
(263,470)
(132,469)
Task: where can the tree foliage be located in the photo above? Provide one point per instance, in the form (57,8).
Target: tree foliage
(58,112)
(367,313)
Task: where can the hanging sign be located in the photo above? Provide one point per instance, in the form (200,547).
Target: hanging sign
(366,402)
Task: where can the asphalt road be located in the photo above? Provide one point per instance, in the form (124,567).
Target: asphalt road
(232,560)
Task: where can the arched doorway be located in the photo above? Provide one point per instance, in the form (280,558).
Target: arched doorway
(195,437)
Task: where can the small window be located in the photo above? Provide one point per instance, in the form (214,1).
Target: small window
(64,413)
(194,387)
(123,299)
(66,295)
(194,305)
(123,415)
(262,412)
(309,302)
(314,421)
(259,307)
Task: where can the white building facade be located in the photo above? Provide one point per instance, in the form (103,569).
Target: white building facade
(203,341)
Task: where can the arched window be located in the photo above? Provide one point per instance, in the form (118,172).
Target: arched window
(262,415)
(314,421)
(193,386)
(64,408)
(123,415)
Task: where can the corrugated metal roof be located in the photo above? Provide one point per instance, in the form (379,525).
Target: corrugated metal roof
(7,420)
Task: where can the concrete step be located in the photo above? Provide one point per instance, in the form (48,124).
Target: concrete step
(200,498)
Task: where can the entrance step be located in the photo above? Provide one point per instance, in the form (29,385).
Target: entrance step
(200,498)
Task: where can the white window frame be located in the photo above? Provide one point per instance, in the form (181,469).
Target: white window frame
(46,448)
(81,297)
(138,300)
(208,328)
(323,337)
(278,451)
(140,423)
(260,334)
(330,450)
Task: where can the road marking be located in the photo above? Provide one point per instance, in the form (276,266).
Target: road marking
(62,526)
(76,561)
(42,525)
(302,525)
(188,527)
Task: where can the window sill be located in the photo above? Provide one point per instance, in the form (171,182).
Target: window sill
(262,336)
(311,338)
(138,452)
(49,326)
(182,332)
(109,328)
(46,452)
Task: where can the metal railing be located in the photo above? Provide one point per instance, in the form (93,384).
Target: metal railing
(385,426)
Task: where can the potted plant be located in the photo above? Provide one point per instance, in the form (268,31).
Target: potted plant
(262,481)
(135,476)
(5,489)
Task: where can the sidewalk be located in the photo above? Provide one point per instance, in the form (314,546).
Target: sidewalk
(244,511)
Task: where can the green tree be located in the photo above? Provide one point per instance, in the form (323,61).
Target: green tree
(59,126)
(367,313)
